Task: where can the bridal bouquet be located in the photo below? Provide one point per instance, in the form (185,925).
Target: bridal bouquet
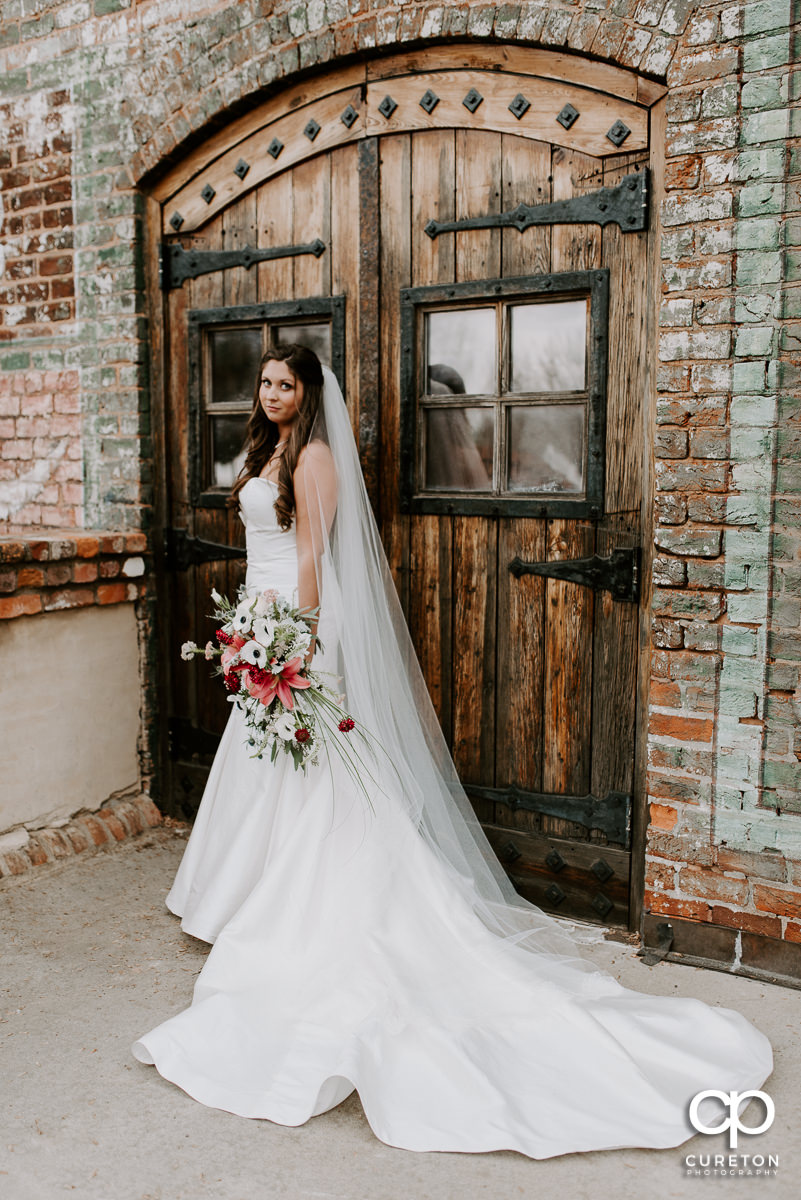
(287,706)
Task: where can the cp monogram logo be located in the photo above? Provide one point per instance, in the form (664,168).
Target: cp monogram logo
(732,1101)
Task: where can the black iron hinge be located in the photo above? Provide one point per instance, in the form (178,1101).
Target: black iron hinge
(625,205)
(611,814)
(182,551)
(619,573)
(177,264)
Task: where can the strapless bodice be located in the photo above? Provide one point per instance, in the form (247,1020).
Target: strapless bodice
(272,558)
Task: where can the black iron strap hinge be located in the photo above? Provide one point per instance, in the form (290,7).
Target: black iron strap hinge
(611,814)
(182,551)
(177,264)
(619,573)
(625,205)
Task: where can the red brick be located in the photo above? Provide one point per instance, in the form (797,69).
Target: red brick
(677,725)
(55,841)
(130,816)
(20,606)
(109,568)
(68,598)
(97,830)
(736,919)
(36,851)
(111,822)
(784,902)
(58,573)
(12,551)
(111,543)
(30,577)
(112,593)
(150,813)
(713,886)
(793,931)
(85,572)
(13,863)
(672,906)
(86,547)
(765,865)
(135,543)
(79,837)
(662,816)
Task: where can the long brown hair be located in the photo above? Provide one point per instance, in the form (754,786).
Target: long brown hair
(262,433)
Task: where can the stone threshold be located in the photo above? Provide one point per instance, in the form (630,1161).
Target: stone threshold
(86,831)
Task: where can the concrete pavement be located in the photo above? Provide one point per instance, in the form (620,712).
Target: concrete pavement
(90,958)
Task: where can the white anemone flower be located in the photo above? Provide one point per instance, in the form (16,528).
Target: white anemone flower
(264,630)
(242,617)
(215,595)
(254,653)
(285,727)
(188,651)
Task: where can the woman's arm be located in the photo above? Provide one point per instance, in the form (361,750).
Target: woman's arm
(315,486)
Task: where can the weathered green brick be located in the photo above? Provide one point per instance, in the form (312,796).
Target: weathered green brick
(760,164)
(749,377)
(764,54)
(719,100)
(757,233)
(756,307)
(755,200)
(764,93)
(756,266)
(766,15)
(769,126)
(753,410)
(754,342)
(17,360)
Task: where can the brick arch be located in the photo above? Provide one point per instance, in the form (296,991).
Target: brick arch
(210,85)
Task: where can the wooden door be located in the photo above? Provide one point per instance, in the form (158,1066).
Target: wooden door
(534,678)
(532,675)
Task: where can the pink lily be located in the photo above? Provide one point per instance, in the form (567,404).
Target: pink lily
(281,685)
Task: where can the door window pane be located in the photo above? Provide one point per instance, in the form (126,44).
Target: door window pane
(314,337)
(227,453)
(461,352)
(548,346)
(235,355)
(458,449)
(546,448)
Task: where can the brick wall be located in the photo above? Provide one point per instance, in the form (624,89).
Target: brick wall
(144,83)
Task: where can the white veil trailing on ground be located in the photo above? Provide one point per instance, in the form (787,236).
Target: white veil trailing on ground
(386,692)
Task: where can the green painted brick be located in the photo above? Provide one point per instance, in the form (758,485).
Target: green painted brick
(749,377)
(17,360)
(758,266)
(761,164)
(738,641)
(763,93)
(781,774)
(753,410)
(769,126)
(766,15)
(755,200)
(757,233)
(754,342)
(765,53)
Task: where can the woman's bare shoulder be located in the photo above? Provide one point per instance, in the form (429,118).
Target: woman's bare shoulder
(315,456)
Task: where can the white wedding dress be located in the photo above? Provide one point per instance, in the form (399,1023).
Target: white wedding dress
(344,957)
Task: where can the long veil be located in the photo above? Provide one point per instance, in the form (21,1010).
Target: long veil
(386,692)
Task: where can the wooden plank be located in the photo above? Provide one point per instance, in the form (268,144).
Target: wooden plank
(274,215)
(498,89)
(523,856)
(521,660)
(625,254)
(526,168)
(288,100)
(568,668)
(240,229)
(575,247)
(614,673)
(311,209)
(478,191)
(473,670)
(395,242)
(430,614)
(369,220)
(345,263)
(521,60)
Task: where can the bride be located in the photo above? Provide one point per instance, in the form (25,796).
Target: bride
(381,947)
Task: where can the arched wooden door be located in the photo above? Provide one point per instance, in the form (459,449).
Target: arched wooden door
(494,361)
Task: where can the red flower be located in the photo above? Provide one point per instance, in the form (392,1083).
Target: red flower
(224,638)
(302,735)
(346,724)
(231,682)
(281,685)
